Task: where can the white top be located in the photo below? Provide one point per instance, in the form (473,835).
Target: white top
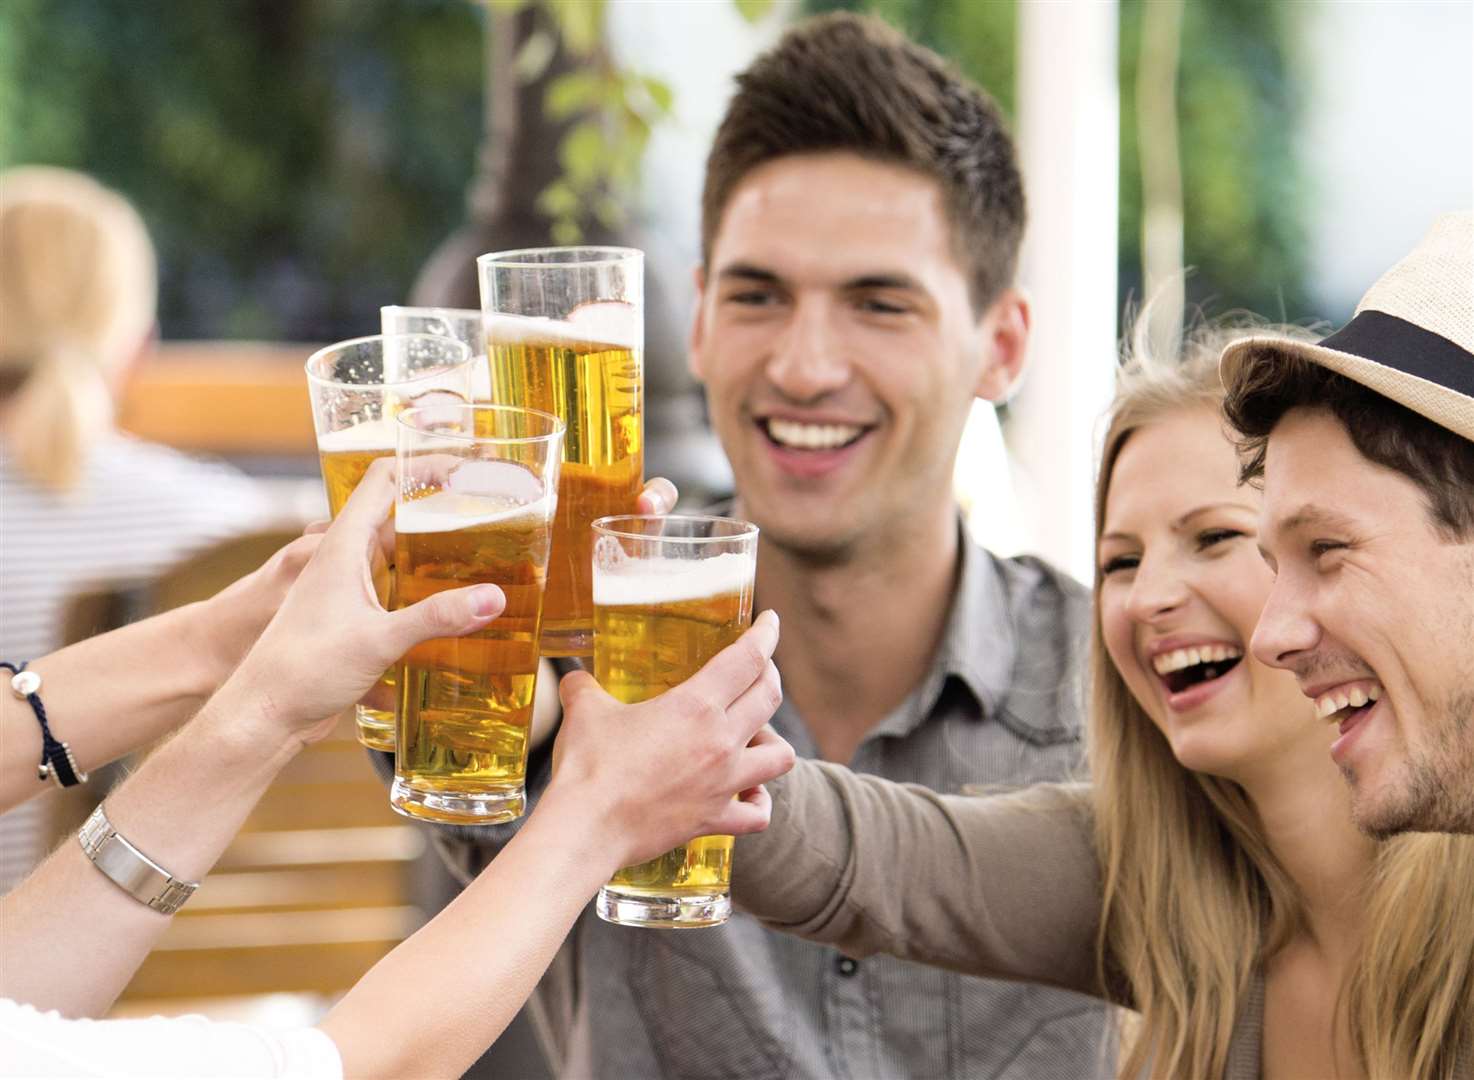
(37,1044)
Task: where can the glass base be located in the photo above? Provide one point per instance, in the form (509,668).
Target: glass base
(663,912)
(450,808)
(571,641)
(375,728)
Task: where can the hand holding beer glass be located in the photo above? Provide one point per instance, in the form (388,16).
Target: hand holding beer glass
(565,334)
(669,594)
(477,490)
(357,387)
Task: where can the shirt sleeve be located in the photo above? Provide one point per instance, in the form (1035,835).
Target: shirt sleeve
(38,1044)
(1003,886)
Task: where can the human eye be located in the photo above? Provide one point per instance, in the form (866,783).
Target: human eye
(1319,549)
(1119,564)
(876,305)
(751,297)
(1212,537)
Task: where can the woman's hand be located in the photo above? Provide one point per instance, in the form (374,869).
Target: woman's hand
(655,774)
(331,639)
(228,623)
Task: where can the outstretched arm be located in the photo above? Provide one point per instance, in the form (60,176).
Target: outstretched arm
(120,691)
(1003,886)
(630,781)
(72,937)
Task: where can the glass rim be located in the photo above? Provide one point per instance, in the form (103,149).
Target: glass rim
(612,255)
(558,426)
(425,309)
(322,380)
(746,530)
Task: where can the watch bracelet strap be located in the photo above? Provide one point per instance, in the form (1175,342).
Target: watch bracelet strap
(130,869)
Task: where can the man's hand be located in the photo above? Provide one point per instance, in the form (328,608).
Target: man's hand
(655,774)
(331,639)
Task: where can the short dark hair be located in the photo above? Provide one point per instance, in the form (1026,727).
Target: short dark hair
(1440,462)
(845,82)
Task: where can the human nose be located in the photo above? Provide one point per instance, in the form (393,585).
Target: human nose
(1285,629)
(808,360)
(1157,589)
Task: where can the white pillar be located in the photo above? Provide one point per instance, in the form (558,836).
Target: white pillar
(1068,135)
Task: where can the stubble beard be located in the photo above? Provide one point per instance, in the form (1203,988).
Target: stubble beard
(1436,794)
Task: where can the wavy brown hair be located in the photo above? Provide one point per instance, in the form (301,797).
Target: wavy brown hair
(1195,902)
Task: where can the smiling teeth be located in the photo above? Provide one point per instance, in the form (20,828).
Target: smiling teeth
(1351,696)
(812,436)
(1186,658)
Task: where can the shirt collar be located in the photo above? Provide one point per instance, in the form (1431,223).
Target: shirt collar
(1004,645)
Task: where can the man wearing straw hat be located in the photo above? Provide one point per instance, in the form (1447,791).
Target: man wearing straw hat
(1364,443)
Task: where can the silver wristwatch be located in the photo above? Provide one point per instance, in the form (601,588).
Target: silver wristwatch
(130,869)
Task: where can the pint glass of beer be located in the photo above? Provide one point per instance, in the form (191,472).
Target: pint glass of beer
(565,333)
(463,324)
(669,594)
(477,489)
(357,388)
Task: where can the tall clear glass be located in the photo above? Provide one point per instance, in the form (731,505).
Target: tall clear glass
(463,324)
(669,594)
(477,487)
(357,388)
(565,333)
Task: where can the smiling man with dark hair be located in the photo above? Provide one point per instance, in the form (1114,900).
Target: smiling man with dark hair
(861,223)
(1364,443)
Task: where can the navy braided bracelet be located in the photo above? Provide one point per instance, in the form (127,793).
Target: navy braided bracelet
(56,757)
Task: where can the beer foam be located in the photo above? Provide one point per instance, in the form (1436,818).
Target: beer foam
(668,581)
(372,435)
(616,332)
(451,511)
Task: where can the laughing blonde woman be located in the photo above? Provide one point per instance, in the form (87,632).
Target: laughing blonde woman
(1209,877)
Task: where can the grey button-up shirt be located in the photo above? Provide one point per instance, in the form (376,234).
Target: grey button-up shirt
(1000,705)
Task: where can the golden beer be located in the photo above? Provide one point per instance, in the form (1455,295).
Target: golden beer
(357,387)
(656,622)
(465,705)
(596,389)
(345,456)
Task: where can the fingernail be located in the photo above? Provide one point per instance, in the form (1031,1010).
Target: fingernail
(487,600)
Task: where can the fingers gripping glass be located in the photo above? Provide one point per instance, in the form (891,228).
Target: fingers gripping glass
(357,388)
(669,594)
(477,492)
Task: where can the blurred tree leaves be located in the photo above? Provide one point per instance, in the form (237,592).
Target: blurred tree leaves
(615,109)
(295,159)
(1243,190)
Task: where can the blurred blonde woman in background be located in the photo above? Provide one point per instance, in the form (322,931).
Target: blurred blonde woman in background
(83,503)
(1209,877)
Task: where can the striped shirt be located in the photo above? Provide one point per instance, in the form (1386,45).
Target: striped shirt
(138,509)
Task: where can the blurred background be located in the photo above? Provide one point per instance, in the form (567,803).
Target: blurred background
(302,162)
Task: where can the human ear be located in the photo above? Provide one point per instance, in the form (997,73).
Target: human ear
(1005,329)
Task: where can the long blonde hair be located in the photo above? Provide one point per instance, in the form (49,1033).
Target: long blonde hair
(1194,900)
(78,288)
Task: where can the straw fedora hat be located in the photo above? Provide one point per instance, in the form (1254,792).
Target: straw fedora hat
(1412,337)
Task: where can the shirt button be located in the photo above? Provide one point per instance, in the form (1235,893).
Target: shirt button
(846,967)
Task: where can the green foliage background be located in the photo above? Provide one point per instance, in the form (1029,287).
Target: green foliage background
(1238,106)
(297,160)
